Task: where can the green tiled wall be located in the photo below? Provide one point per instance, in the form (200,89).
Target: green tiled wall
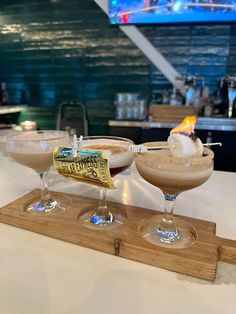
(55,51)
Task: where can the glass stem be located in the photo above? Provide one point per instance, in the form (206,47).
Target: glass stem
(102,209)
(167,231)
(168,220)
(45,195)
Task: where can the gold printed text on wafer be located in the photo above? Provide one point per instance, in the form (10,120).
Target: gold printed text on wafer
(89,166)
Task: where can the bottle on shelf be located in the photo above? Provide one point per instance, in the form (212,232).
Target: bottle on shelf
(228,87)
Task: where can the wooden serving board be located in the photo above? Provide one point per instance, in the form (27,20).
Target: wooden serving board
(199,260)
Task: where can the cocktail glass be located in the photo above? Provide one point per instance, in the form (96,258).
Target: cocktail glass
(34,149)
(120,158)
(172,176)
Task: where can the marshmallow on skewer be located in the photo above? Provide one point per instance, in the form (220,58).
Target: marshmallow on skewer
(183,142)
(182,145)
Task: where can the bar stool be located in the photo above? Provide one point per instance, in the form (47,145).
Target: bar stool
(72,117)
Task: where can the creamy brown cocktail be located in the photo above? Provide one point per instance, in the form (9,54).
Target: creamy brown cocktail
(34,149)
(174,175)
(120,157)
(38,161)
(179,164)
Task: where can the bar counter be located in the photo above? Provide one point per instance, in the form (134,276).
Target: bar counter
(12,109)
(43,275)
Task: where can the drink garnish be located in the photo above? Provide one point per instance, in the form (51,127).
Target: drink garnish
(85,165)
(182,141)
(186,143)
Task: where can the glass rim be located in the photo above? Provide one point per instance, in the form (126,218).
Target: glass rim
(209,155)
(118,138)
(19,134)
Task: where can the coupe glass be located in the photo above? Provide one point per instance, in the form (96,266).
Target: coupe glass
(172,176)
(120,158)
(34,149)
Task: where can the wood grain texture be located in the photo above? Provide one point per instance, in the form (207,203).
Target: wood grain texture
(199,260)
(167,113)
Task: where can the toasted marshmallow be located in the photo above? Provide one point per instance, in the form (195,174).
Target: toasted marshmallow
(184,145)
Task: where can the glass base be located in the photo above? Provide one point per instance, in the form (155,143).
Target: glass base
(57,205)
(167,235)
(102,220)
(184,235)
(89,218)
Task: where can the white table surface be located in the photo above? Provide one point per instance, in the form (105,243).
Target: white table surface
(42,275)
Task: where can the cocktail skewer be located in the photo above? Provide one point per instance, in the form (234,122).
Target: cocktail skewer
(75,145)
(143,148)
(135,148)
(212,144)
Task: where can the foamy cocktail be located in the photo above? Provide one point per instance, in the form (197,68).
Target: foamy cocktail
(34,149)
(180,164)
(38,161)
(120,158)
(174,175)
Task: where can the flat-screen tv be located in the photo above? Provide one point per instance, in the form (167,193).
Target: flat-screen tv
(171,11)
